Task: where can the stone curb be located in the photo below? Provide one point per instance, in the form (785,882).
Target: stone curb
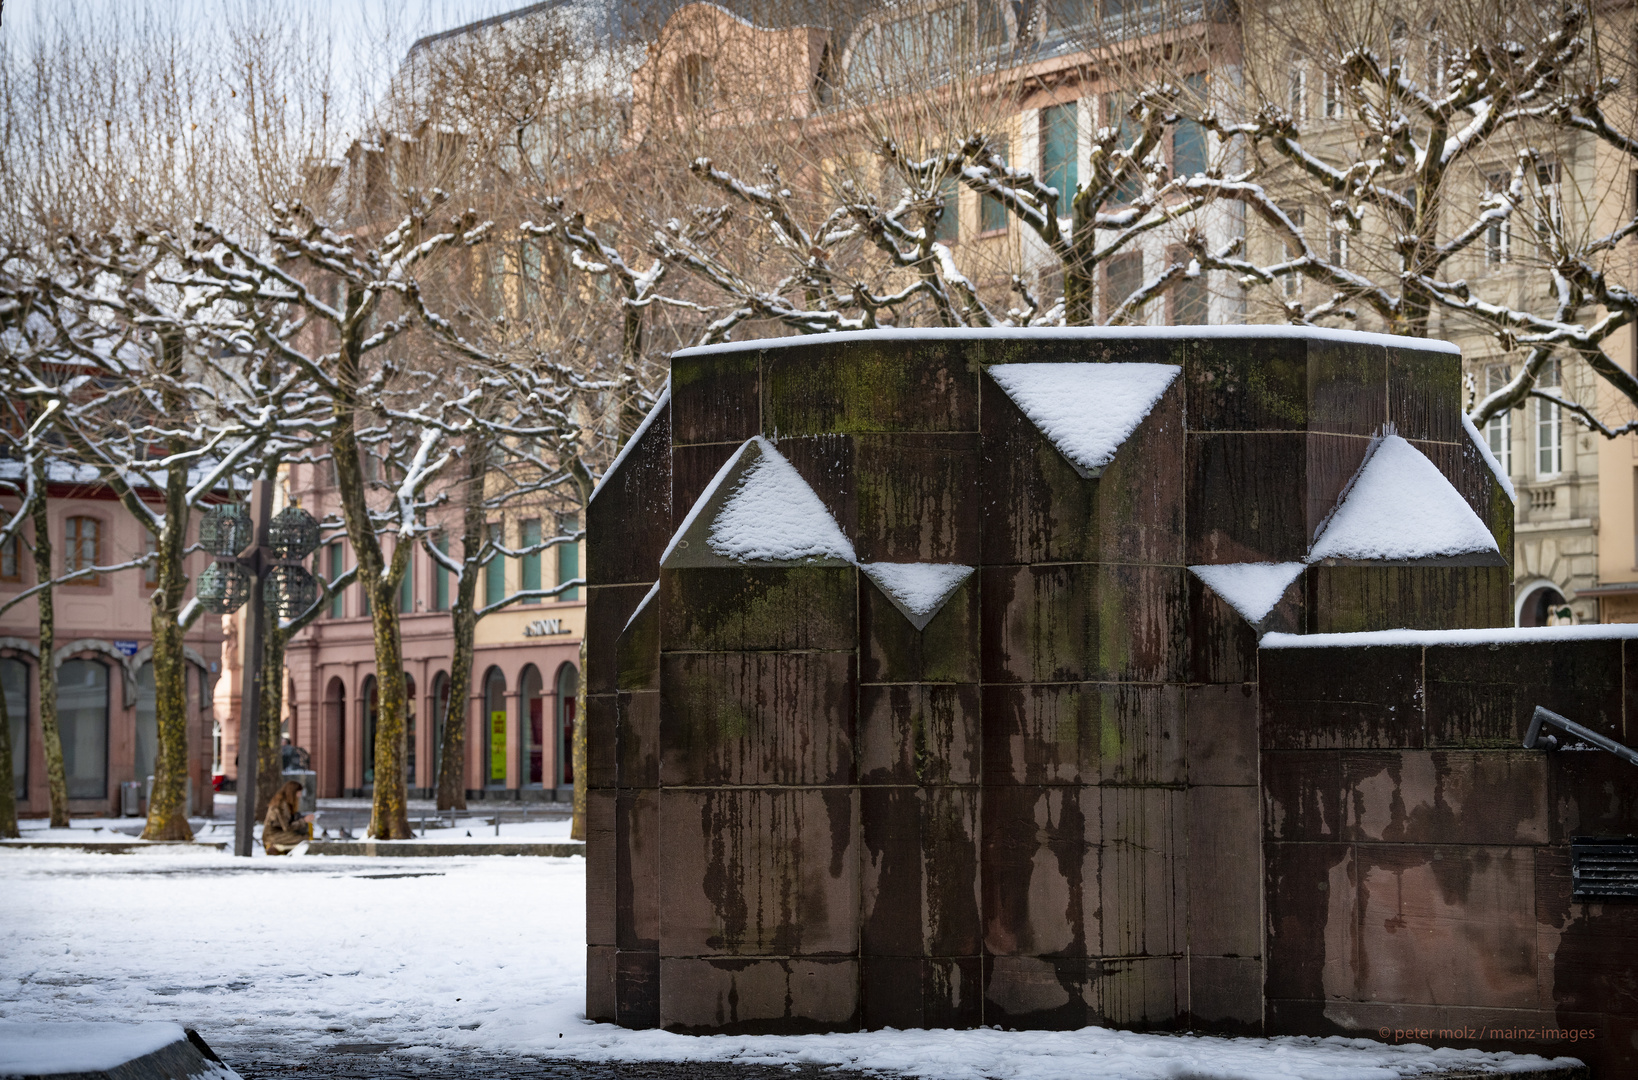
(410,849)
(112,847)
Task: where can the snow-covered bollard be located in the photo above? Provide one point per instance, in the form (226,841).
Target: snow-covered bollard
(90,1050)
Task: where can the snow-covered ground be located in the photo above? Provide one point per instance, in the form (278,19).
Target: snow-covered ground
(460,954)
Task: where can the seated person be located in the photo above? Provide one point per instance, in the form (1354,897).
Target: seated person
(285,826)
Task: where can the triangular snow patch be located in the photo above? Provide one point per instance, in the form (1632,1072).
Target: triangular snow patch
(1085,410)
(1252,589)
(758,509)
(918,590)
(1399,507)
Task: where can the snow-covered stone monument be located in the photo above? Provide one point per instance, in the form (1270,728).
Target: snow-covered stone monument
(1044,679)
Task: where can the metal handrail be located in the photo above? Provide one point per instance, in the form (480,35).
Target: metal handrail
(1547,716)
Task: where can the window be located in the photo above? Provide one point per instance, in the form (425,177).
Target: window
(406,587)
(1186,301)
(1291,284)
(371,698)
(1549,206)
(1331,96)
(696,84)
(440,576)
(1188,137)
(14,683)
(1060,138)
(568,690)
(147,721)
(529,564)
(1130,186)
(568,556)
(82,548)
(150,572)
(1549,426)
(494,743)
(1296,91)
(1498,430)
(1498,235)
(1122,276)
(494,571)
(992,215)
(338,604)
(949,226)
(1336,247)
(82,723)
(11,563)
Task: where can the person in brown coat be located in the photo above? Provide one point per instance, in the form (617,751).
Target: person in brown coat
(285,826)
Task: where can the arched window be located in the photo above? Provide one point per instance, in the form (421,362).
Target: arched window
(82,720)
(147,722)
(568,686)
(532,730)
(440,718)
(494,735)
(372,712)
(14,682)
(696,84)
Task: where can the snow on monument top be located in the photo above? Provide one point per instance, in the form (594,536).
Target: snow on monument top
(770,514)
(1398,507)
(1080,333)
(1086,410)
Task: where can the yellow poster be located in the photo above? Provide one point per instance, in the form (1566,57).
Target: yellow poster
(497,745)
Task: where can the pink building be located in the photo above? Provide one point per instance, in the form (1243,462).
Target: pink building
(520,714)
(105,702)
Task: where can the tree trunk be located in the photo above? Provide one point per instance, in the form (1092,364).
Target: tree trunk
(389,814)
(8,796)
(167,806)
(269,752)
(577,824)
(50,737)
(463,617)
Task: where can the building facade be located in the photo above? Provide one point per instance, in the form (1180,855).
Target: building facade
(521,710)
(103,660)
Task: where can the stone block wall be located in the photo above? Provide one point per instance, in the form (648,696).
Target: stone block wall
(1418,863)
(1053,804)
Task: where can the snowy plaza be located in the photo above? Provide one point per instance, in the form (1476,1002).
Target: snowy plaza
(455,959)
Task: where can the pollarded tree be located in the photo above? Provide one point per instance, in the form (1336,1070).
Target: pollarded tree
(1409,170)
(330,304)
(153,406)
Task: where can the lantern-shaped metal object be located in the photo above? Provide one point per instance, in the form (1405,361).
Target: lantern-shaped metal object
(289,589)
(223,587)
(293,534)
(224,529)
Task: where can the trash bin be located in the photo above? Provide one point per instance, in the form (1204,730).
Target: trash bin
(308,780)
(130,798)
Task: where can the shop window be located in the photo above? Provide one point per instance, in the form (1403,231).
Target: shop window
(147,722)
(14,683)
(532,727)
(568,687)
(494,735)
(82,720)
